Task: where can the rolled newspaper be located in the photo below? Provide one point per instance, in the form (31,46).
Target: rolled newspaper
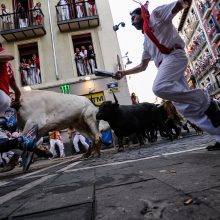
(104,73)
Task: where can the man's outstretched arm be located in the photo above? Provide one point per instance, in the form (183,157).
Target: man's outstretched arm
(181,4)
(137,69)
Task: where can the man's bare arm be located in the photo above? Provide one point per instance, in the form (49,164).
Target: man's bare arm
(137,69)
(181,4)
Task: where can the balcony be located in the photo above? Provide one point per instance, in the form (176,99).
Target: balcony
(205,9)
(77,16)
(213,88)
(14,28)
(197,50)
(204,71)
(190,30)
(206,12)
(215,34)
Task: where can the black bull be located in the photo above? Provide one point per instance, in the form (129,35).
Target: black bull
(136,119)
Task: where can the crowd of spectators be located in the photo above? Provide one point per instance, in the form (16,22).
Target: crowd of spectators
(85,60)
(21,17)
(30,71)
(79,9)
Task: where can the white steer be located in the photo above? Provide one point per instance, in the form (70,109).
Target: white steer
(56,111)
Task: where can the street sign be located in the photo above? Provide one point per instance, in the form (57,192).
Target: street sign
(98,98)
(65,89)
(112,87)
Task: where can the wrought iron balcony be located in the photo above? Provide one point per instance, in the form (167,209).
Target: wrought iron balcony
(190,30)
(15,26)
(76,16)
(197,50)
(215,35)
(214,88)
(204,71)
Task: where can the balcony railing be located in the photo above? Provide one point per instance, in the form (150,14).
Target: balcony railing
(15,26)
(76,16)
(205,9)
(214,36)
(190,30)
(213,88)
(201,73)
(197,50)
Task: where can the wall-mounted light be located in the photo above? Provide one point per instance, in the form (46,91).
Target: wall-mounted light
(87,78)
(27,88)
(128,61)
(116,27)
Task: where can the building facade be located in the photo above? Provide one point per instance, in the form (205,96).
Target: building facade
(57,44)
(199,26)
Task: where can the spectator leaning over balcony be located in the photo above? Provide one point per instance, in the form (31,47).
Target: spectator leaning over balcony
(80,8)
(36,63)
(7,80)
(84,55)
(22,16)
(163,44)
(79,63)
(23,72)
(7,20)
(37,14)
(30,73)
(91,9)
(91,58)
(63,7)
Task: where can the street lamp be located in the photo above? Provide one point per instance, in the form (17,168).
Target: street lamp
(128,60)
(116,27)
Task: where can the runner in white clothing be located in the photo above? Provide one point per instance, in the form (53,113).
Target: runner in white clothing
(76,137)
(164,45)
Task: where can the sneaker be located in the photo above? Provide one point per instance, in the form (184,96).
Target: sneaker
(5,56)
(213,112)
(216,146)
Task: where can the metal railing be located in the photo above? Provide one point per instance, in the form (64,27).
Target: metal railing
(213,87)
(27,19)
(80,9)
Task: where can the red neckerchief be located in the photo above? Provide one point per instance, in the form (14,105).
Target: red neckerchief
(147,30)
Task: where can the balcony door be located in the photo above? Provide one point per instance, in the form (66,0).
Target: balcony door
(27,4)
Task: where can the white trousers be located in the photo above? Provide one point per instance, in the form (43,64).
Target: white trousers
(76,140)
(59,143)
(5,101)
(171,84)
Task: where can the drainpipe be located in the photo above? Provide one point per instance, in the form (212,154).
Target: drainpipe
(52,39)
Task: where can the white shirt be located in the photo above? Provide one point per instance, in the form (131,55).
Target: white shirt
(164,31)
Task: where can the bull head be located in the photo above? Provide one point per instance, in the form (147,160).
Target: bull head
(116,100)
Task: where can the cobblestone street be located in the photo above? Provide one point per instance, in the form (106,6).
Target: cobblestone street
(166,180)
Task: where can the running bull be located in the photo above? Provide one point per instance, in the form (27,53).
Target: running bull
(56,111)
(131,119)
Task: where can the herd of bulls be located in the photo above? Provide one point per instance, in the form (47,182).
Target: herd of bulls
(144,120)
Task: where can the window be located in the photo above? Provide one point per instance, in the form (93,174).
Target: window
(85,56)
(218,49)
(29,64)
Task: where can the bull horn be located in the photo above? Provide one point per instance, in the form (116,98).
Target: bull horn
(116,100)
(94,103)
